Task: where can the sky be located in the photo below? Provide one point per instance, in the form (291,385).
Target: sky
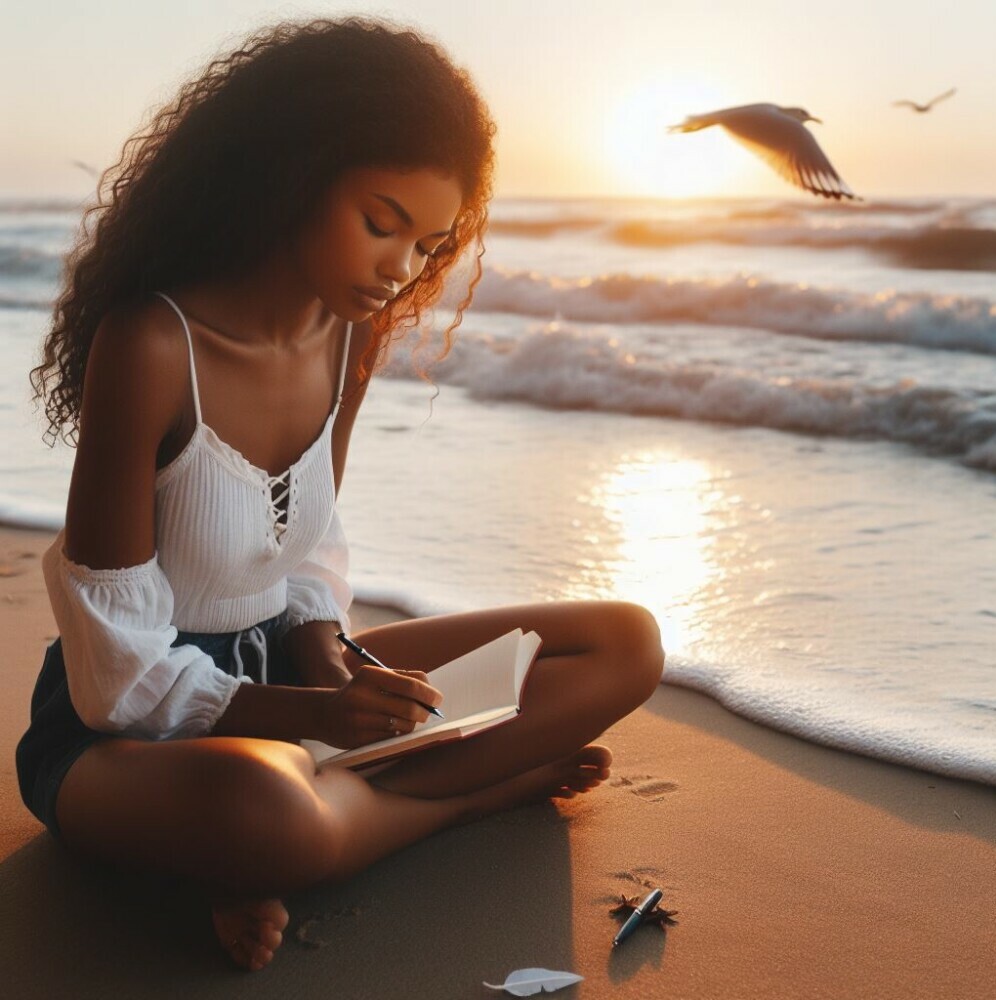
(582,90)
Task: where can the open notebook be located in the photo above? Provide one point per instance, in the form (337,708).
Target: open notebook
(480,689)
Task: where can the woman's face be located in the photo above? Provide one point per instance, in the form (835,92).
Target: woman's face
(373,234)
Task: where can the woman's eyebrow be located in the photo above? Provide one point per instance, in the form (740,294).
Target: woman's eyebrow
(405,217)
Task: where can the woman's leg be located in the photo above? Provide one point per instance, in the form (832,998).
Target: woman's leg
(599,661)
(251,818)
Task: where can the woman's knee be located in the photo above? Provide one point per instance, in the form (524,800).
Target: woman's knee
(254,784)
(264,814)
(635,642)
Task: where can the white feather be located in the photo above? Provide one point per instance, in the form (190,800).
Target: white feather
(528,982)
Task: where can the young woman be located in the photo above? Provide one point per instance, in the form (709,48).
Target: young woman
(296,204)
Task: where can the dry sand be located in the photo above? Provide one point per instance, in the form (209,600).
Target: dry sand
(798,872)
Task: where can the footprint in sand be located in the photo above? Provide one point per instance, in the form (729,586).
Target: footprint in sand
(305,932)
(646,786)
(644,876)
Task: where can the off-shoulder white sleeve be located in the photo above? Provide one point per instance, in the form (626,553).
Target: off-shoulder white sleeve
(124,676)
(317,590)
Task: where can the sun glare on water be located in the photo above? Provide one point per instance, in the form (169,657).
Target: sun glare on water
(651,162)
(656,517)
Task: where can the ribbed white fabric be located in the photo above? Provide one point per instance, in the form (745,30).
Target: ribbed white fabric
(227,557)
(221,544)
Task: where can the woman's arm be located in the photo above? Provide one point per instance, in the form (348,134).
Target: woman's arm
(133,393)
(317,655)
(112,602)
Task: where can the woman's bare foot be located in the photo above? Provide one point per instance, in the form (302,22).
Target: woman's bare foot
(563,779)
(581,772)
(250,931)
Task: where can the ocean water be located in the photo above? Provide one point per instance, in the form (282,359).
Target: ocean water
(771,422)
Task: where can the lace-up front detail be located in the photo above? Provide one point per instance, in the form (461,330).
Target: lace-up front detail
(228,532)
(276,511)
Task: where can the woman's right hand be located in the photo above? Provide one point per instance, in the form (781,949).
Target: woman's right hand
(375,705)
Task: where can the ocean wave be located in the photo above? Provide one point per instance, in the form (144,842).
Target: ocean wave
(929,235)
(949,248)
(25,302)
(841,721)
(29,262)
(26,206)
(943,322)
(561,367)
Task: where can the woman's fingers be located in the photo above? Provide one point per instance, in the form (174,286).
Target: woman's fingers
(407,685)
(400,708)
(379,703)
(379,726)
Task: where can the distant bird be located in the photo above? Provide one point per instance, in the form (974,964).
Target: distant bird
(779,136)
(92,171)
(921,108)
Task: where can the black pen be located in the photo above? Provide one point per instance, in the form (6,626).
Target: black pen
(370,658)
(636,917)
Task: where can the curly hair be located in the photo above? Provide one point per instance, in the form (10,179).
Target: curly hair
(230,170)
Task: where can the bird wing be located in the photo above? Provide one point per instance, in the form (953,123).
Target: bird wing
(941,97)
(907,104)
(693,123)
(790,148)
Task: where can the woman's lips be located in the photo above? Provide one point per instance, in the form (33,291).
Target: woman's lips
(378,293)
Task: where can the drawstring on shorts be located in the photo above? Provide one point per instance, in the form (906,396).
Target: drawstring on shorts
(255,637)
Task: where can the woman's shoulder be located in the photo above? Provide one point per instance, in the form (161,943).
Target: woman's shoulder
(142,332)
(139,352)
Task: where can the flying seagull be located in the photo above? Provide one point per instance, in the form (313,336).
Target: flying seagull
(779,136)
(92,171)
(921,108)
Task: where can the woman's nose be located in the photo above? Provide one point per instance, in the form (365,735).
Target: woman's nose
(396,268)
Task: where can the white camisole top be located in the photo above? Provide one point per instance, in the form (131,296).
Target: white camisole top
(224,542)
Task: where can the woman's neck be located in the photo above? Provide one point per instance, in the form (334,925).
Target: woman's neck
(268,305)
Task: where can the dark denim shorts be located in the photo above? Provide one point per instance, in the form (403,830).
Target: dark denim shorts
(57,736)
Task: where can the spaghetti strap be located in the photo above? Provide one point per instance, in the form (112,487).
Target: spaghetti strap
(342,372)
(190,348)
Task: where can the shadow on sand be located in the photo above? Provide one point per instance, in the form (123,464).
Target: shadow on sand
(435,920)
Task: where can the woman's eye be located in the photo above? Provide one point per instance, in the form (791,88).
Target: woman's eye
(435,251)
(373,229)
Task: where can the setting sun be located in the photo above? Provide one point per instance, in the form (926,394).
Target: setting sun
(647,161)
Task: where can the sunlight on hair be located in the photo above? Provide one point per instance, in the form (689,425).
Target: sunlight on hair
(657,507)
(649,163)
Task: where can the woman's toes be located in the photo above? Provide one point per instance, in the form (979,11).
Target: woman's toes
(269,910)
(594,755)
(261,957)
(250,931)
(269,937)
